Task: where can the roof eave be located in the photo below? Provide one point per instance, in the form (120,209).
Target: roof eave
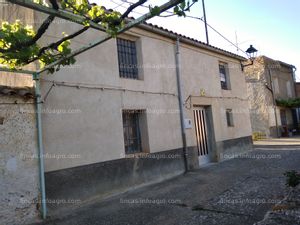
(172,35)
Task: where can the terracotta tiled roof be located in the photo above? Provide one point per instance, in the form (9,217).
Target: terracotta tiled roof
(25,92)
(172,34)
(276,61)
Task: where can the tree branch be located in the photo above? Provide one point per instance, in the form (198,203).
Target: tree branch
(45,25)
(21,45)
(42,29)
(56,44)
(54,4)
(132,7)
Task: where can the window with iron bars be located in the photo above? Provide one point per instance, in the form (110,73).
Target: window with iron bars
(131,129)
(224,77)
(229,118)
(127,56)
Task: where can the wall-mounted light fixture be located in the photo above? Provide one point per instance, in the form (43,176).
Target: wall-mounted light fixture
(251,53)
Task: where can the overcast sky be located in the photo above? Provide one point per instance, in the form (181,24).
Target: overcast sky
(271,26)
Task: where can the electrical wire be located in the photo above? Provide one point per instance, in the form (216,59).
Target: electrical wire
(48,92)
(220,97)
(192,17)
(144,6)
(100,87)
(121,5)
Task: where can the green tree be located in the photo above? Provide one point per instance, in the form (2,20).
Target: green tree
(19,42)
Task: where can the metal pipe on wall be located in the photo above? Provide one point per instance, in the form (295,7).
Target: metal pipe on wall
(295,111)
(294,69)
(38,102)
(181,108)
(274,103)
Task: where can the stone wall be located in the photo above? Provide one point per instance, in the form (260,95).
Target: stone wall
(258,78)
(260,100)
(287,211)
(18,161)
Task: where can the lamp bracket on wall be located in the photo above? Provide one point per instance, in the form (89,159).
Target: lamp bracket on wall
(251,53)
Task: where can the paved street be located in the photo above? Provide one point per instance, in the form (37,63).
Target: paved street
(238,191)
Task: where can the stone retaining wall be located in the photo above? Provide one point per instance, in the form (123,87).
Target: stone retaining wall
(18,161)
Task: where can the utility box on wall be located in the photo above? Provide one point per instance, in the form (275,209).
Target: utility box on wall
(187,123)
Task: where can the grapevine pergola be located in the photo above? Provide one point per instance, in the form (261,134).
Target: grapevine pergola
(19,44)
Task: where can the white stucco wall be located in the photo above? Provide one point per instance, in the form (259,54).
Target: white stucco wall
(200,72)
(94,132)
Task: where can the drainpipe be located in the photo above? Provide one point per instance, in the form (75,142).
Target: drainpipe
(38,102)
(274,103)
(181,110)
(294,69)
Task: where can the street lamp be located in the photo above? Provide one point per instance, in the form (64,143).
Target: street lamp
(251,53)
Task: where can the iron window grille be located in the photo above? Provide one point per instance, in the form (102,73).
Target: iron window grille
(223,76)
(229,118)
(127,56)
(131,129)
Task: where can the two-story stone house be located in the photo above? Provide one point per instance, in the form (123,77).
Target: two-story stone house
(269,80)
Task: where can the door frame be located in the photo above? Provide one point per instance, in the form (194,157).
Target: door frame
(211,143)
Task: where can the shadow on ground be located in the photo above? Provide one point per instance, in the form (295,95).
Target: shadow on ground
(238,191)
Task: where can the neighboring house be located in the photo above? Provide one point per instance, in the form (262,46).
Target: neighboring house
(111,121)
(268,81)
(297,88)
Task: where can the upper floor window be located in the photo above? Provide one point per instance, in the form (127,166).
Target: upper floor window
(127,56)
(289,89)
(224,76)
(276,85)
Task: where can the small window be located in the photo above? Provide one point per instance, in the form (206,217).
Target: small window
(289,89)
(229,117)
(283,117)
(224,77)
(276,85)
(131,129)
(127,56)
